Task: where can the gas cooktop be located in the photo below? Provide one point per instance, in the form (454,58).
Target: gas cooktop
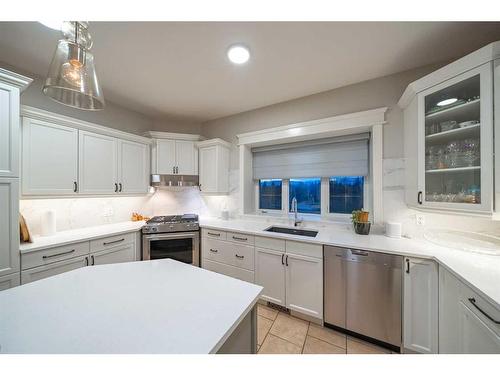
(171,223)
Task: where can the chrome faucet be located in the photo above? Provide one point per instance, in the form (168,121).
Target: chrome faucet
(296,221)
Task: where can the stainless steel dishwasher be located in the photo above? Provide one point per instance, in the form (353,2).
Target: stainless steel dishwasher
(363,293)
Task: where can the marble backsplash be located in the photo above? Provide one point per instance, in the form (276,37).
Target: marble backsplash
(72,213)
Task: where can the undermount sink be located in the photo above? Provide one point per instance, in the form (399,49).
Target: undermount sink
(466,241)
(296,232)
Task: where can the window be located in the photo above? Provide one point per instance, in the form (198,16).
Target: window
(270,194)
(346,194)
(308,194)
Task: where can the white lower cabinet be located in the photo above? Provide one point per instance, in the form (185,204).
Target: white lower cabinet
(119,254)
(420,306)
(270,274)
(9,281)
(304,285)
(468,324)
(9,226)
(42,272)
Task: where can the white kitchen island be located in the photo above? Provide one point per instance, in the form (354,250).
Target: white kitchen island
(160,306)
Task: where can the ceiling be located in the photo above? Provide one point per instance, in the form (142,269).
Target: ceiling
(180,69)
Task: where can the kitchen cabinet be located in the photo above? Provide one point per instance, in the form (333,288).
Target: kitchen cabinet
(449,137)
(304,284)
(420,306)
(468,324)
(9,225)
(133,167)
(176,157)
(9,281)
(98,164)
(214,166)
(9,133)
(270,274)
(117,254)
(42,272)
(50,158)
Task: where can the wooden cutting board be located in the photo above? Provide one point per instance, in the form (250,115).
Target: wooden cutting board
(24,231)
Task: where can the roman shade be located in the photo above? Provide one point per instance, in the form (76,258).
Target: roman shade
(339,156)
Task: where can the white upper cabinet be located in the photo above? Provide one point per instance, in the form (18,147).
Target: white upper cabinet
(214,166)
(449,142)
(49,158)
(174,153)
(98,164)
(11,84)
(133,167)
(165,156)
(420,306)
(65,156)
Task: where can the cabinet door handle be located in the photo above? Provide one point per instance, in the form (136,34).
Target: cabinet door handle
(75,187)
(177,170)
(120,184)
(116,187)
(173,170)
(213,234)
(58,254)
(282,256)
(112,242)
(473,301)
(86,261)
(214,250)
(286,261)
(93,259)
(239,256)
(407,266)
(240,238)
(419,197)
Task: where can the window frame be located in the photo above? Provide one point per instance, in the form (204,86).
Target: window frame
(325,213)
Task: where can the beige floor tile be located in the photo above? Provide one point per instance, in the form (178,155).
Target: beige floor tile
(356,346)
(276,345)
(317,346)
(266,312)
(263,327)
(290,328)
(327,334)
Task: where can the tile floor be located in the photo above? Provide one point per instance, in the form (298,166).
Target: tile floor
(280,333)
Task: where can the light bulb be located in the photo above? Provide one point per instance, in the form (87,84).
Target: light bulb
(238,54)
(73,73)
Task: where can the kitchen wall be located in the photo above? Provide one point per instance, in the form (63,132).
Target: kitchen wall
(380,92)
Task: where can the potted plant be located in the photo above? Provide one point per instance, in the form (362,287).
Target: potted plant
(360,221)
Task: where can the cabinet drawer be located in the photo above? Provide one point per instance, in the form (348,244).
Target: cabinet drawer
(229,253)
(54,254)
(306,249)
(240,238)
(482,309)
(231,271)
(212,233)
(109,242)
(53,269)
(270,243)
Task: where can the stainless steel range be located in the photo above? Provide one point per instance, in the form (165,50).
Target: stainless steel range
(175,237)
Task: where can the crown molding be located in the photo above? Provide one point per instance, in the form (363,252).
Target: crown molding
(56,118)
(472,60)
(176,136)
(213,142)
(15,79)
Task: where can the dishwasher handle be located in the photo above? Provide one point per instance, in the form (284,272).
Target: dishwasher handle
(359,252)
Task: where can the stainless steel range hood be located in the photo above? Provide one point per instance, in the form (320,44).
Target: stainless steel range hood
(174,180)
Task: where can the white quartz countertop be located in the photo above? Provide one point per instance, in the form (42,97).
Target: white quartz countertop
(82,234)
(481,272)
(160,306)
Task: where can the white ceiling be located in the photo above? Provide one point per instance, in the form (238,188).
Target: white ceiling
(180,69)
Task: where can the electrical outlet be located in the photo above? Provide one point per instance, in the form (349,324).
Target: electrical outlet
(420,219)
(107,212)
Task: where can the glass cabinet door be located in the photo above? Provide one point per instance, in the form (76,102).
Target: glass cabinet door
(458,141)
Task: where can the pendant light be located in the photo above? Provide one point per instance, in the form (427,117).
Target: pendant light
(72,79)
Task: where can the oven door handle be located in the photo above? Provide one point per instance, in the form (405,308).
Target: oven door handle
(169,236)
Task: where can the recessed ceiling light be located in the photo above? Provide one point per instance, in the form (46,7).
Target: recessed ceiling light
(238,54)
(442,103)
(54,25)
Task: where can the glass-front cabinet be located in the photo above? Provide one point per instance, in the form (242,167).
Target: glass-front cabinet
(455,153)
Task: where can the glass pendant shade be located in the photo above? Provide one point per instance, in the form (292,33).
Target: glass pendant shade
(72,79)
